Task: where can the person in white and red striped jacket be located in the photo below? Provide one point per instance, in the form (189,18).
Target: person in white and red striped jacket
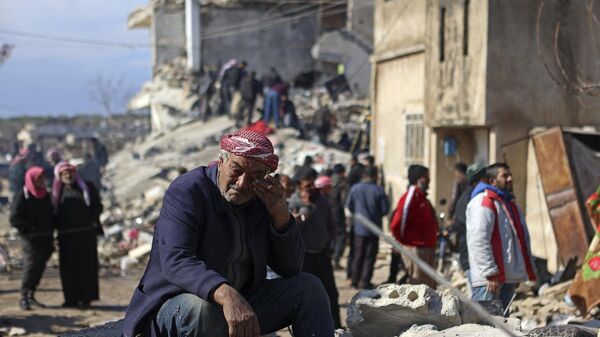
(497,239)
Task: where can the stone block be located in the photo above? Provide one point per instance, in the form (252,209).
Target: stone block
(391,309)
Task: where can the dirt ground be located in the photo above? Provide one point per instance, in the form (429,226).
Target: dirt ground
(115,292)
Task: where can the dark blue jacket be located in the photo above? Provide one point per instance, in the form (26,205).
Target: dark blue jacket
(191,244)
(368,199)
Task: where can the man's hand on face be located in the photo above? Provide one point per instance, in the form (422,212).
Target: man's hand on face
(272,194)
(241,318)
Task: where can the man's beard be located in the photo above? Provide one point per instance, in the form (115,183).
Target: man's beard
(243,194)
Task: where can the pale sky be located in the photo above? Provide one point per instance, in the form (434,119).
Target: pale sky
(47,77)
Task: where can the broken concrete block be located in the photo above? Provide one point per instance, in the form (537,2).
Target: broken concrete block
(342,333)
(513,323)
(140,251)
(391,309)
(470,330)
(154,194)
(420,330)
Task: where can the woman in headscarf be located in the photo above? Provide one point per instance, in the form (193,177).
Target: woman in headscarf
(77,205)
(31,214)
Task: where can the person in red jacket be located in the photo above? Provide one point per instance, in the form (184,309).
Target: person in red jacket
(414,224)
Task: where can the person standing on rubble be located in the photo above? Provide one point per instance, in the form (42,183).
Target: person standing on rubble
(32,215)
(77,206)
(414,224)
(249,88)
(218,228)
(369,199)
(272,102)
(230,84)
(290,118)
(311,208)
(323,122)
(90,171)
(497,239)
(99,153)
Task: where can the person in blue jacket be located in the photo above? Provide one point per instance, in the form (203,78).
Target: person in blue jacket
(219,228)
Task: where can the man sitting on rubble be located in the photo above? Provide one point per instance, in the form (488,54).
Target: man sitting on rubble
(497,239)
(218,229)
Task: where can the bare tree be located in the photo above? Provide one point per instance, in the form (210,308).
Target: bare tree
(111,94)
(575,80)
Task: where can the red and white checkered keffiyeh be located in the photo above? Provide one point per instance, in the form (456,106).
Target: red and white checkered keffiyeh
(246,143)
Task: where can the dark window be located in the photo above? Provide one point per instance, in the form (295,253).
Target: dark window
(442,33)
(466,29)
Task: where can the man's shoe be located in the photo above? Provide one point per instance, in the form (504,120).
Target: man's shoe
(83,305)
(35,303)
(24,303)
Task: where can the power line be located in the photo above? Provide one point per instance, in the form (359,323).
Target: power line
(383,39)
(72,40)
(228,31)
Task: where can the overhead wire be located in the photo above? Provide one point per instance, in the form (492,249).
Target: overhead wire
(239,29)
(383,39)
(275,22)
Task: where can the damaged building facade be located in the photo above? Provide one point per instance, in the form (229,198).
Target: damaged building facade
(471,81)
(195,37)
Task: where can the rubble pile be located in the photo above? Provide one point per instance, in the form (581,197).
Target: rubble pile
(350,114)
(551,307)
(416,310)
(172,95)
(138,176)
(411,310)
(136,180)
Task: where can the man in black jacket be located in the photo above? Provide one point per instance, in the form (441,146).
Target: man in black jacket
(249,88)
(475,174)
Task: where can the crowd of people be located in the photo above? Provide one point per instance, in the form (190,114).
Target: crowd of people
(240,89)
(239,249)
(282,237)
(51,196)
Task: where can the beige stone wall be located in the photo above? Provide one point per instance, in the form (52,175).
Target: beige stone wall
(520,90)
(399,24)
(442,173)
(455,91)
(394,97)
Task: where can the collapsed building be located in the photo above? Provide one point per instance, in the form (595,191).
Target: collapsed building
(192,39)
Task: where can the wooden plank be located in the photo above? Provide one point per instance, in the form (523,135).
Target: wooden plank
(561,196)
(569,230)
(552,159)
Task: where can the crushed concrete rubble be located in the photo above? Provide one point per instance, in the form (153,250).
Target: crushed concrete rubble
(171,95)
(391,309)
(138,176)
(550,307)
(417,310)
